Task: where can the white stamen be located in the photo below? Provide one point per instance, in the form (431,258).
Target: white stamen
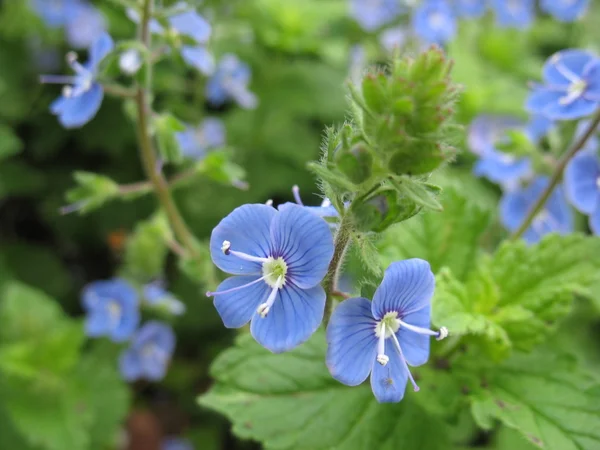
(419,330)
(226,248)
(269,202)
(264,308)
(296,192)
(382,358)
(71,57)
(410,377)
(228,291)
(443,334)
(67,91)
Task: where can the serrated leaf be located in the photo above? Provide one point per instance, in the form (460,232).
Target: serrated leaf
(449,238)
(422,194)
(312,411)
(546,397)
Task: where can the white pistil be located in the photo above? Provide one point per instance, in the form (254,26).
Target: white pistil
(228,291)
(264,308)
(425,331)
(226,249)
(410,377)
(296,193)
(382,358)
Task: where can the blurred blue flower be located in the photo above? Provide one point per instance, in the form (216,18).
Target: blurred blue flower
(156,295)
(555,217)
(564,10)
(401,312)
(82,94)
(278,257)
(372,14)
(195,141)
(514,13)
(470,8)
(149,354)
(230,82)
(571,88)
(582,186)
(538,127)
(393,38)
(111,308)
(485,131)
(175,443)
(84,25)
(54,13)
(434,22)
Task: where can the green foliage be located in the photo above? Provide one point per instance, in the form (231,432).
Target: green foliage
(165,128)
(312,411)
(146,248)
(92,191)
(10,144)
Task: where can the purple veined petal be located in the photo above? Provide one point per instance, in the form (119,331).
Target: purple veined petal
(594,220)
(237,308)
(200,58)
(351,341)
(540,98)
(564,10)
(74,112)
(100,48)
(563,67)
(191,24)
(580,107)
(293,318)
(407,286)
(305,243)
(581,182)
(415,346)
(389,382)
(248,228)
(130,365)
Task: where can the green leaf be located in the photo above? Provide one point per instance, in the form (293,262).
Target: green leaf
(313,411)
(166,126)
(368,253)
(546,397)
(146,248)
(420,193)
(91,192)
(449,238)
(10,144)
(217,166)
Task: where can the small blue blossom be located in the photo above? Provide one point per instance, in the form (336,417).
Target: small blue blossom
(571,88)
(555,217)
(400,315)
(196,141)
(149,354)
(175,443)
(372,14)
(230,82)
(582,186)
(485,131)
(434,22)
(82,94)
(470,8)
(111,308)
(565,10)
(156,295)
(279,257)
(514,13)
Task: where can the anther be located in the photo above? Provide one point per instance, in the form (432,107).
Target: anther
(263,310)
(383,359)
(443,334)
(67,91)
(71,57)
(225,248)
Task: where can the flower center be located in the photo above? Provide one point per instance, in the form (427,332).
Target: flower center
(114,312)
(274,271)
(390,324)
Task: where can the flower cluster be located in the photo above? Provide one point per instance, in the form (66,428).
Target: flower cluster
(113,310)
(279,257)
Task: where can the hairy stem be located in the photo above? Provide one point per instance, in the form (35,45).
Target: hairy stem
(342,238)
(147,151)
(556,177)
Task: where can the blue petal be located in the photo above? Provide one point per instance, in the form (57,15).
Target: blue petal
(486,130)
(154,369)
(237,308)
(351,341)
(540,98)
(560,213)
(130,319)
(564,10)
(158,333)
(97,322)
(576,109)
(193,25)
(415,346)
(372,15)
(594,220)
(293,318)
(434,22)
(574,60)
(407,287)
(305,243)
(502,169)
(99,49)
(85,26)
(537,127)
(592,77)
(581,182)
(470,8)
(213,132)
(74,112)
(248,229)
(514,13)
(200,58)
(389,382)
(130,365)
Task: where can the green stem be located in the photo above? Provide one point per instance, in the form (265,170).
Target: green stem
(556,177)
(342,238)
(147,152)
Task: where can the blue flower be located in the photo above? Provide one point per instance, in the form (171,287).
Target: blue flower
(175,443)
(582,186)
(230,82)
(149,353)
(82,94)
(111,309)
(434,21)
(155,294)
(485,131)
(84,25)
(195,141)
(470,8)
(555,217)
(196,32)
(279,258)
(372,14)
(400,315)
(565,10)
(571,86)
(514,13)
